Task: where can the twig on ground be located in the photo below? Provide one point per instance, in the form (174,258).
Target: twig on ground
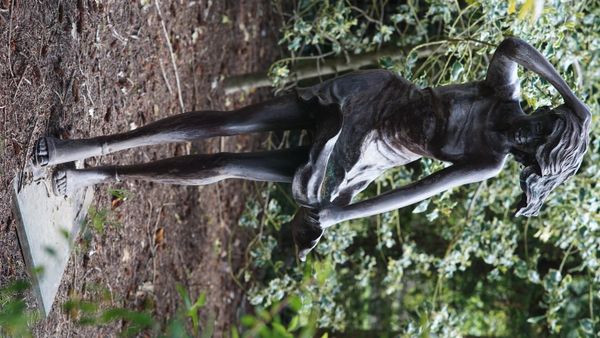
(230,262)
(172,54)
(155,245)
(66,88)
(194,83)
(3,108)
(12,5)
(164,75)
(115,33)
(85,84)
(20,81)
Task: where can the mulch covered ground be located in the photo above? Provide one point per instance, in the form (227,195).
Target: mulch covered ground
(82,68)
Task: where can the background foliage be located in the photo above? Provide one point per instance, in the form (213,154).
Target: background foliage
(459,263)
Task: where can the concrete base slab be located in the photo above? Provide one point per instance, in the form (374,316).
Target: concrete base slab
(46,228)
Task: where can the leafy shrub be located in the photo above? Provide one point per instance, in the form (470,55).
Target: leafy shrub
(15,318)
(459,263)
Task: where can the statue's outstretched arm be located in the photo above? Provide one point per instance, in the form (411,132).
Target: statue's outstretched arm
(502,72)
(453,176)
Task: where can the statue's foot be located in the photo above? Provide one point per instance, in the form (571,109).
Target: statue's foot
(61,185)
(66,181)
(44,151)
(40,153)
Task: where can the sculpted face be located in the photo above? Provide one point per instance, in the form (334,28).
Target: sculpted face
(528,132)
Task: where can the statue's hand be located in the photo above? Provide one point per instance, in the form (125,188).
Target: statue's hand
(322,218)
(312,218)
(308,232)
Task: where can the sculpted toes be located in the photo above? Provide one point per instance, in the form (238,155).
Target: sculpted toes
(40,152)
(59,183)
(42,147)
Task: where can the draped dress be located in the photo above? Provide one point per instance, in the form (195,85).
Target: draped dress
(370,121)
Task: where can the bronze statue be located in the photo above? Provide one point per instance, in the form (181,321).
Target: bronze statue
(362,124)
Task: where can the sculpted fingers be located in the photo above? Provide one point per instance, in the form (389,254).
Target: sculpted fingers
(311,216)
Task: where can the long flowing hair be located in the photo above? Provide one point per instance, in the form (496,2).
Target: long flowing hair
(555,161)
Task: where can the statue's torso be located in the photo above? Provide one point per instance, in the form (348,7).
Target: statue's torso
(463,123)
(385,121)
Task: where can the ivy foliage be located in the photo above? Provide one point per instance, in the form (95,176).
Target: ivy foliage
(460,263)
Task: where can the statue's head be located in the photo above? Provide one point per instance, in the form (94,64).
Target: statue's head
(555,159)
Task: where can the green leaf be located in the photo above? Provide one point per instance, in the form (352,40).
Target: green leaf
(248,320)
(234,332)
(176,328)
(293,326)
(200,301)
(421,207)
(140,318)
(534,320)
(457,70)
(533,276)
(280,329)
(264,315)
(587,325)
(184,295)
(295,303)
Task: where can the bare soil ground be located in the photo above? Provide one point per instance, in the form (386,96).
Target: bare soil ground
(82,68)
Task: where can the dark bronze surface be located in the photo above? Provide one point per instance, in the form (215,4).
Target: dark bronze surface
(364,123)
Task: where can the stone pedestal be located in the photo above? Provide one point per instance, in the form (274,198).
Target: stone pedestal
(47,227)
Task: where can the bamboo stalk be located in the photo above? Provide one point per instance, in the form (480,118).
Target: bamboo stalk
(306,70)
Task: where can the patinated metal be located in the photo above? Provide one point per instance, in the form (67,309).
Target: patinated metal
(362,124)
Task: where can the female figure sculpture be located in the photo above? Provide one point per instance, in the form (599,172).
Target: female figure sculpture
(362,124)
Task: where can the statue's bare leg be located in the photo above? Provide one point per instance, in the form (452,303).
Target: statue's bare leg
(281,113)
(272,166)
